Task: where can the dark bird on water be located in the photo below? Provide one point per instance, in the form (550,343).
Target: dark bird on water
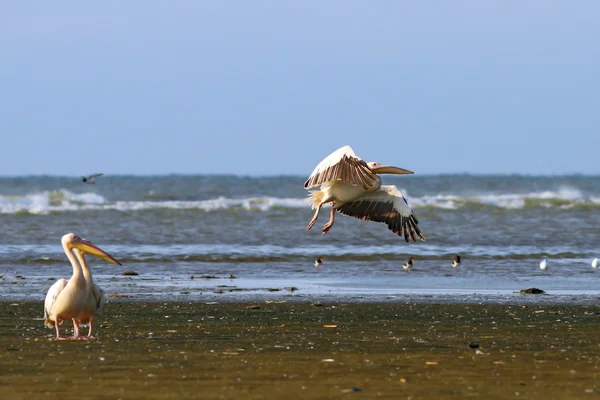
(409,264)
(90,179)
(456,261)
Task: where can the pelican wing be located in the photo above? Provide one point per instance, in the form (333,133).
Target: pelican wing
(99,296)
(51,296)
(385,205)
(344,166)
(92,176)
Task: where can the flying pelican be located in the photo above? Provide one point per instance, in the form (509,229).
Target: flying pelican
(98,296)
(73,298)
(90,179)
(456,261)
(318,262)
(409,264)
(595,263)
(544,264)
(353,188)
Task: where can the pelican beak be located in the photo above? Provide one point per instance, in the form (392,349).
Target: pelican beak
(388,169)
(87,247)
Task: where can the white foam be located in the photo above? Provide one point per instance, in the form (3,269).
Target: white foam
(65,201)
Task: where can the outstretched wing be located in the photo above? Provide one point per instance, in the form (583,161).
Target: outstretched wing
(385,205)
(51,296)
(92,176)
(344,166)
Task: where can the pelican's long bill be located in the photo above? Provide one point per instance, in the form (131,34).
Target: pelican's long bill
(87,247)
(389,169)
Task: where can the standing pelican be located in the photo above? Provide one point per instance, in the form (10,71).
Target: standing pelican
(595,263)
(90,179)
(353,187)
(73,298)
(544,264)
(96,300)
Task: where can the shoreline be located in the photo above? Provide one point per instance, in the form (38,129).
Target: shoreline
(306,349)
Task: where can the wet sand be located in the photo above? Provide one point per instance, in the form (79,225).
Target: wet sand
(300,350)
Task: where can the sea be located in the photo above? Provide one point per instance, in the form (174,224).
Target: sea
(237,238)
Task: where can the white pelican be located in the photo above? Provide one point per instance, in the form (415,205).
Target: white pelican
(97,298)
(90,179)
(544,264)
(353,188)
(318,262)
(595,263)
(409,264)
(73,298)
(456,261)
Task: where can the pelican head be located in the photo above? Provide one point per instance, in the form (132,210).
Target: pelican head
(71,241)
(377,168)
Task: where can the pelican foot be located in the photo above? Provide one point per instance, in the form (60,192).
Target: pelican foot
(326,228)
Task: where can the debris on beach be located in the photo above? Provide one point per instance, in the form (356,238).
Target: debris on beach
(130,273)
(253,307)
(532,291)
(119,296)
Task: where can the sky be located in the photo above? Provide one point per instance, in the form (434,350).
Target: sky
(272,87)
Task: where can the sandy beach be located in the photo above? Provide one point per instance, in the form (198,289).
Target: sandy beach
(305,350)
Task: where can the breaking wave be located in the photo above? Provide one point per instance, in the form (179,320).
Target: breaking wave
(65,201)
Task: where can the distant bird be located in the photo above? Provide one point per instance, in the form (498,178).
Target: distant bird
(544,264)
(90,179)
(77,298)
(595,263)
(456,261)
(409,264)
(318,262)
(353,188)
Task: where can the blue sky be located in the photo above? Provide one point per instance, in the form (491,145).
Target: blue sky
(272,87)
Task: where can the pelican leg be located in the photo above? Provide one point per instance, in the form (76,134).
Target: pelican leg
(89,335)
(314,218)
(58,337)
(329,224)
(75,330)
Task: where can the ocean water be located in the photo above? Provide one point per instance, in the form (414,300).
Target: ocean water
(203,238)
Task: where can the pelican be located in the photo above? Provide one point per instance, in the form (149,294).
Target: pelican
(595,263)
(456,261)
(318,262)
(353,188)
(90,179)
(409,264)
(544,264)
(99,298)
(74,298)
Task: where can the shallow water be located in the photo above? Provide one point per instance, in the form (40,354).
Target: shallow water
(177,230)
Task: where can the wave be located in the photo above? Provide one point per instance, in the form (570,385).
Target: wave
(65,201)
(563,198)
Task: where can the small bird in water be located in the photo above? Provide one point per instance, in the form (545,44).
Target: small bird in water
(408,265)
(544,264)
(456,261)
(318,262)
(90,179)
(595,263)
